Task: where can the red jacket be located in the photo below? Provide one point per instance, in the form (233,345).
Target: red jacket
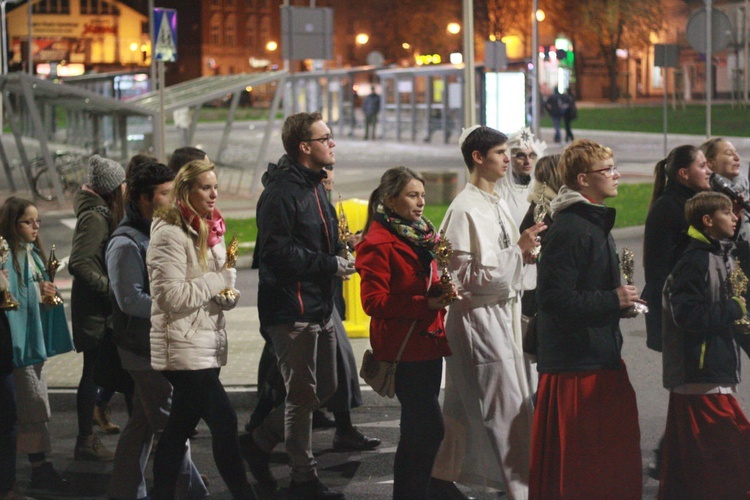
(394,293)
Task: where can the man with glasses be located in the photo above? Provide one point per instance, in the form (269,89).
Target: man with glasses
(586,416)
(299,256)
(524,149)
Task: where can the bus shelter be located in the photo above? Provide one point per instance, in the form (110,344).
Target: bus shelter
(332,92)
(56,115)
(423,100)
(191,96)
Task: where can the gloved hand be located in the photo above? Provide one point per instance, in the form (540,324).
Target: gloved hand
(345,267)
(230,277)
(225,303)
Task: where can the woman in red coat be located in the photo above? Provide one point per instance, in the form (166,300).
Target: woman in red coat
(401,291)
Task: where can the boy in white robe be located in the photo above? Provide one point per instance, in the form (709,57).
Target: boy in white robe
(524,150)
(488,407)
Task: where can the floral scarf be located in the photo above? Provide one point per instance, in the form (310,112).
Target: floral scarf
(420,235)
(216,226)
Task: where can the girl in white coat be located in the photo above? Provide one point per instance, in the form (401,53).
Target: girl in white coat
(185,262)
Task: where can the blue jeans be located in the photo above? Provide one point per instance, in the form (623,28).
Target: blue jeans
(422,429)
(196,395)
(7,433)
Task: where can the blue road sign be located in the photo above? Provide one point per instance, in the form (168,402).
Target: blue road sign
(165,35)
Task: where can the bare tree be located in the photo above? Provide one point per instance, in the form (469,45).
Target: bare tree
(606,26)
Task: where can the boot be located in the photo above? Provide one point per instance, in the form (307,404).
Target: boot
(101,418)
(45,477)
(14,494)
(91,449)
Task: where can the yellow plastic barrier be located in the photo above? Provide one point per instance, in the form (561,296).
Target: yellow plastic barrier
(357,323)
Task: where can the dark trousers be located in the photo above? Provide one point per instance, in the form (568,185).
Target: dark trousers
(86,394)
(556,122)
(199,394)
(422,429)
(371,123)
(7,433)
(568,131)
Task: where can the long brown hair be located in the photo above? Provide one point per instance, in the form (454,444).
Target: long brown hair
(10,212)
(115,202)
(392,183)
(666,170)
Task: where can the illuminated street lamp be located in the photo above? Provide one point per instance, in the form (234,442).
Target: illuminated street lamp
(453,28)
(362,38)
(272,46)
(540,15)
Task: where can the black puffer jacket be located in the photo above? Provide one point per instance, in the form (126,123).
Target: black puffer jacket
(297,246)
(664,240)
(699,336)
(578,271)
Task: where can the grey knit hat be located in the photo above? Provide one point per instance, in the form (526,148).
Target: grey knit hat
(105,175)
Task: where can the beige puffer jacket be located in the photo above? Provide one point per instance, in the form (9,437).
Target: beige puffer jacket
(187,324)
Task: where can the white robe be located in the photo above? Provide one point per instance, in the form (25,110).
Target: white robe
(487,410)
(515,195)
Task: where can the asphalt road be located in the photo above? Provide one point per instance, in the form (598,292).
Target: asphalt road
(368,475)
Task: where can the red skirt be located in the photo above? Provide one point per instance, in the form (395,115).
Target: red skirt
(586,441)
(706,450)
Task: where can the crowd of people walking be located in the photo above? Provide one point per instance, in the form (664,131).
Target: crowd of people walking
(523,312)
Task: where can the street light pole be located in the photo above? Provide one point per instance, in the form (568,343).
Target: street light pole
(534,69)
(709,67)
(152,37)
(470,82)
(4,24)
(31,50)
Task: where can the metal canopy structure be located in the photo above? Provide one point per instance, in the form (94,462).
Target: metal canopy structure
(428,95)
(329,91)
(193,94)
(32,105)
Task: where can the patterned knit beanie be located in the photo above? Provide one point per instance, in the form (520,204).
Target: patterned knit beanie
(105,175)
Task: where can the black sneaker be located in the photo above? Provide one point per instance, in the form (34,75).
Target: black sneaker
(446,490)
(322,421)
(354,440)
(46,478)
(312,490)
(257,462)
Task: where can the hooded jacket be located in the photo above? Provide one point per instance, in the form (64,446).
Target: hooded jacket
(297,246)
(89,299)
(187,325)
(699,337)
(578,273)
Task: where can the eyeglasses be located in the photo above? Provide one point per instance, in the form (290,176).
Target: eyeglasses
(326,139)
(31,222)
(524,156)
(609,171)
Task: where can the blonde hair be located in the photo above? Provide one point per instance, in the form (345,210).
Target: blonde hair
(186,178)
(579,157)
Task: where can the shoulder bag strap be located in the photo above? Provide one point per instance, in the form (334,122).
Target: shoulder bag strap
(403,346)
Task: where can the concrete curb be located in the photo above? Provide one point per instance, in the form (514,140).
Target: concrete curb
(64,400)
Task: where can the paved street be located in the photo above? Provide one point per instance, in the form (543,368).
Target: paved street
(359,475)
